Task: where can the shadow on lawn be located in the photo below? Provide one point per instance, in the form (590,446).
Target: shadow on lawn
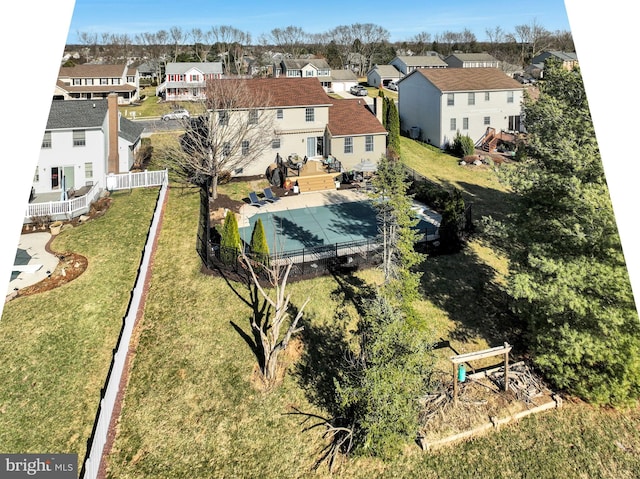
(465,287)
(326,346)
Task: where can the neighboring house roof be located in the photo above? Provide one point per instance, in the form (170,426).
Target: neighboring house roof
(473,57)
(351,118)
(87,114)
(125,87)
(203,67)
(343,75)
(300,63)
(467,79)
(76,114)
(89,70)
(387,71)
(421,60)
(563,56)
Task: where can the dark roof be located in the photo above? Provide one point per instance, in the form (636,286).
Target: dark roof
(473,57)
(300,63)
(468,79)
(65,114)
(124,88)
(130,130)
(88,114)
(353,117)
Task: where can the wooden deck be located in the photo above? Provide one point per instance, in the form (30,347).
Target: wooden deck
(313,177)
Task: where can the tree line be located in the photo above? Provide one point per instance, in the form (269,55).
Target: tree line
(358,46)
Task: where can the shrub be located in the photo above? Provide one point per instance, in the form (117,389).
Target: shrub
(259,245)
(463,146)
(230,239)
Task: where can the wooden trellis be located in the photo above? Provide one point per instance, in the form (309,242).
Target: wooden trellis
(485,353)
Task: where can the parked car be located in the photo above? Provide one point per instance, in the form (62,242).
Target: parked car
(358,90)
(179,114)
(392,86)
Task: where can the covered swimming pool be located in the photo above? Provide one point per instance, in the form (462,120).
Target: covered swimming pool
(301,228)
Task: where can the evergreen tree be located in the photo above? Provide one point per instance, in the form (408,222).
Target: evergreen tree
(259,245)
(230,242)
(379,390)
(569,277)
(393,127)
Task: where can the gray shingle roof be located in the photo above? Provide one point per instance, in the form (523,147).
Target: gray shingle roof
(88,114)
(65,114)
(203,67)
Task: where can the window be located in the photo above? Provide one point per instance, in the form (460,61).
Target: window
(88,170)
(193,78)
(472,99)
(487,120)
(104,81)
(452,124)
(46,141)
(487,96)
(253,117)
(348,144)
(279,113)
(226,149)
(36,175)
(275,144)
(76,81)
(309,114)
(223,117)
(465,123)
(450,99)
(368,143)
(245,147)
(79,138)
(509,97)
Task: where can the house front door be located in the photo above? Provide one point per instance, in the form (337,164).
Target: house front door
(55,178)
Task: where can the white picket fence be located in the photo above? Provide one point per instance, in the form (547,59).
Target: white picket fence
(111,389)
(66,210)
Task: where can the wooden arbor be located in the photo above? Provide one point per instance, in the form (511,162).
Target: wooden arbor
(485,353)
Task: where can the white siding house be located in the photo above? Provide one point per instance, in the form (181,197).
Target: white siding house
(84,140)
(307,122)
(186,81)
(94,82)
(434,105)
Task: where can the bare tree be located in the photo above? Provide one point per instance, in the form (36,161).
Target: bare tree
(290,39)
(371,37)
(236,131)
(89,41)
(270,314)
(421,42)
(533,38)
(177,38)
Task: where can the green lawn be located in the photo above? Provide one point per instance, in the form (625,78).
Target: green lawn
(193,408)
(152,107)
(56,346)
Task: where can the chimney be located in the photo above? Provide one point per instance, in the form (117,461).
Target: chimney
(113,125)
(377,107)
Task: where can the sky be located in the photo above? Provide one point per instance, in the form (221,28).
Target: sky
(599,33)
(403,19)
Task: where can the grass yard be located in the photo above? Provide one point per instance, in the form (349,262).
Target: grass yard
(194,409)
(152,107)
(56,346)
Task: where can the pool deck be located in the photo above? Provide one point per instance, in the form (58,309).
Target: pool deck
(311,199)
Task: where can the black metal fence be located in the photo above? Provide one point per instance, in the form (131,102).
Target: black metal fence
(307,262)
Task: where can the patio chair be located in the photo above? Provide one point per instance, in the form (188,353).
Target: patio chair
(269,196)
(255,201)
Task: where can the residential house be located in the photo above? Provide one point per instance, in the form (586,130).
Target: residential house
(304,68)
(380,75)
(310,123)
(342,80)
(407,64)
(186,81)
(436,104)
(472,60)
(84,140)
(93,82)
(569,61)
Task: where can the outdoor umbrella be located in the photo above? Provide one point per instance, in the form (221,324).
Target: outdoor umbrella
(366,167)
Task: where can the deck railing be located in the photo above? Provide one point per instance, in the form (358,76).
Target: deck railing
(74,207)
